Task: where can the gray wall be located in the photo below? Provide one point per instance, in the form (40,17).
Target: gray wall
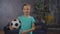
(11,9)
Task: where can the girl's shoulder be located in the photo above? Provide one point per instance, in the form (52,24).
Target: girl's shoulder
(31,17)
(19,16)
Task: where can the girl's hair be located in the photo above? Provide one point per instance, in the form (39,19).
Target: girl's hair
(25,5)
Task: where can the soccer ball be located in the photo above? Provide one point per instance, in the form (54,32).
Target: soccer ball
(15,23)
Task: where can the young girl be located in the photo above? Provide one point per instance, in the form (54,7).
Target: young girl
(27,21)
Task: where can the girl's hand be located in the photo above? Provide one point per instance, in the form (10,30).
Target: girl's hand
(23,32)
(11,28)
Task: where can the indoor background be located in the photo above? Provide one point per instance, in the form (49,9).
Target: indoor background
(12,9)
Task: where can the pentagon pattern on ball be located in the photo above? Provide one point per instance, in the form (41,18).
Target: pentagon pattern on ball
(15,23)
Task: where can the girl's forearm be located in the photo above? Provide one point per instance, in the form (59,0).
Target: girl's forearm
(30,30)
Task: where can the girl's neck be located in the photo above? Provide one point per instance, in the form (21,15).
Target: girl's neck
(25,15)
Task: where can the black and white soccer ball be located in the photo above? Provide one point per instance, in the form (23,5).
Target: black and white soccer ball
(15,23)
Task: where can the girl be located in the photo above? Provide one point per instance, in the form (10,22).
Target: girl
(27,21)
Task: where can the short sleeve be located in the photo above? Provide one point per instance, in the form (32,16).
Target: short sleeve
(32,20)
(19,18)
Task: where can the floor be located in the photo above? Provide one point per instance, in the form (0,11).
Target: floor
(49,32)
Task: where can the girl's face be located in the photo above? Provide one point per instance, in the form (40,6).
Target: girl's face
(26,9)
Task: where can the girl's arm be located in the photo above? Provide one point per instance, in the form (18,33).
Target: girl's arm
(33,27)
